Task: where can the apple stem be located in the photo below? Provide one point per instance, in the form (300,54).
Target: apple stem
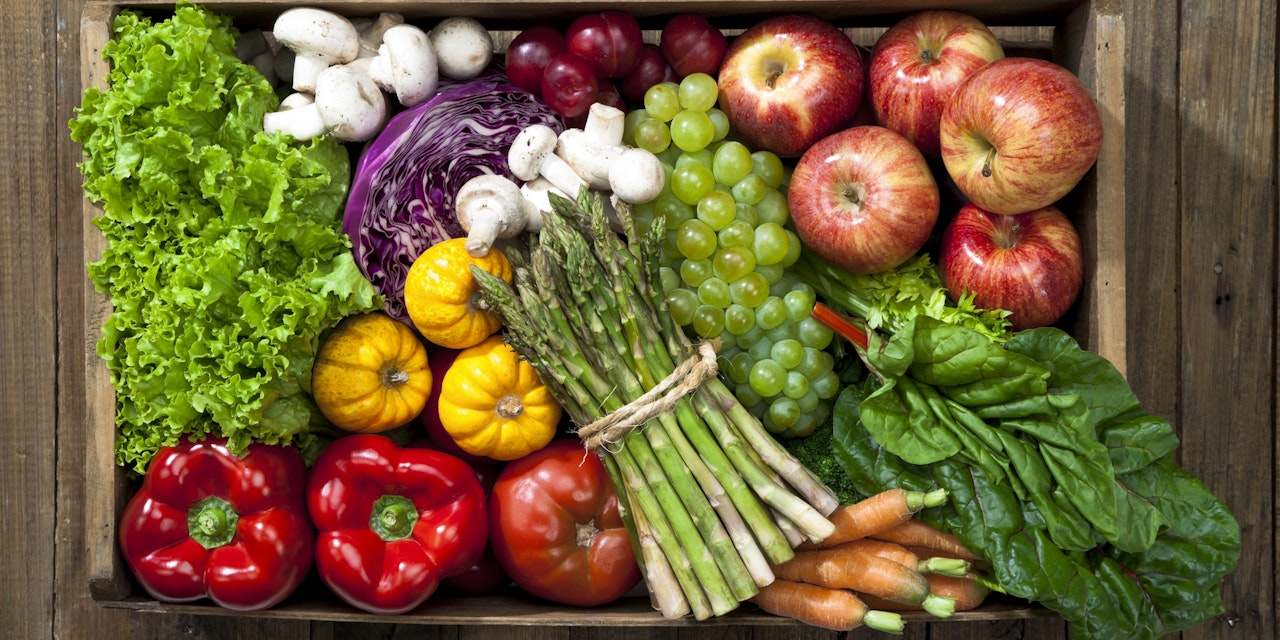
(986,165)
(837,323)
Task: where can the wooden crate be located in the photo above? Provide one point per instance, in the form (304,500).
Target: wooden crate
(1086,36)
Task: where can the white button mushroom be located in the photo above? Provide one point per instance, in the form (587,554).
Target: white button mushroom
(463,47)
(636,176)
(405,65)
(297,116)
(592,149)
(371,31)
(347,104)
(488,207)
(319,39)
(350,104)
(537,191)
(252,47)
(532,154)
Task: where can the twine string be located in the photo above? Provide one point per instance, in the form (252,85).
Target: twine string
(688,376)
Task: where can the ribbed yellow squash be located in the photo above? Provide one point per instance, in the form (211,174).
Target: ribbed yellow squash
(371,374)
(443,298)
(493,403)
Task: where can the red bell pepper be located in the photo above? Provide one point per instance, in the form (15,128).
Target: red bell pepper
(393,521)
(207,523)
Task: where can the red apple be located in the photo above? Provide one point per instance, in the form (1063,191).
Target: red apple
(1019,134)
(916,66)
(1029,264)
(790,81)
(863,199)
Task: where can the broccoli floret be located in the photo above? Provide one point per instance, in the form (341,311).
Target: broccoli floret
(815,452)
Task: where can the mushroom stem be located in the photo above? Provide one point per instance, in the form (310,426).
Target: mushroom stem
(371,31)
(532,154)
(604,125)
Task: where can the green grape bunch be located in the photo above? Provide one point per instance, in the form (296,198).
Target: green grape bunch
(725,259)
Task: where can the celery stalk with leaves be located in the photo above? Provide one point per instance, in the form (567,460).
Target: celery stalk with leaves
(889,300)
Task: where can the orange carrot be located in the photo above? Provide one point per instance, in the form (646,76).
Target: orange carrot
(968,592)
(882,511)
(906,557)
(834,609)
(842,568)
(914,533)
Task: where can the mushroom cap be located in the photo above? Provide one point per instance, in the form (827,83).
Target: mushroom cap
(350,104)
(463,47)
(488,207)
(529,150)
(410,64)
(636,176)
(317,32)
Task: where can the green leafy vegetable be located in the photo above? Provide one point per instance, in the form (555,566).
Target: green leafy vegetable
(888,300)
(1078,507)
(225,260)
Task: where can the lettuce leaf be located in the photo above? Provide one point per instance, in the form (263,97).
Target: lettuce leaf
(225,258)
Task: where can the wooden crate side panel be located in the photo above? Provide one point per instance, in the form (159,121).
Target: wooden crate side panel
(1227,163)
(105,488)
(1092,44)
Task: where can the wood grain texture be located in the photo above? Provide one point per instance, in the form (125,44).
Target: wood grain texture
(1227,275)
(1151,185)
(28,333)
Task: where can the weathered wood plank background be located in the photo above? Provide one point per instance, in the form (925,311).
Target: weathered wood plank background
(1201,253)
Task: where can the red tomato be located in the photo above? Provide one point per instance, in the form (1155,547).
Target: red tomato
(556,530)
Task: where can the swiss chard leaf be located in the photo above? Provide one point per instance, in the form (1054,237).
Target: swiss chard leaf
(1184,540)
(969,368)
(899,417)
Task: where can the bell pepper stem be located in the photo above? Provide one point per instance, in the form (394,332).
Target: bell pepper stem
(393,517)
(212,522)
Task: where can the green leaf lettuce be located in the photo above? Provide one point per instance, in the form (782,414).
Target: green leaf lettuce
(225,258)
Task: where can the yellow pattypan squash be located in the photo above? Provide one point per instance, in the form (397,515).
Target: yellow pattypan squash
(371,374)
(493,403)
(443,298)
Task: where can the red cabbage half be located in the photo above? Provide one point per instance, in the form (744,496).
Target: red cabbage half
(401,199)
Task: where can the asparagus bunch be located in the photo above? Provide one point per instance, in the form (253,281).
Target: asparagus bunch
(711,498)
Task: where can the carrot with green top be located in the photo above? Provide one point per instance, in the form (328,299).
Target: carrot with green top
(873,515)
(906,557)
(916,534)
(834,609)
(841,568)
(968,592)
